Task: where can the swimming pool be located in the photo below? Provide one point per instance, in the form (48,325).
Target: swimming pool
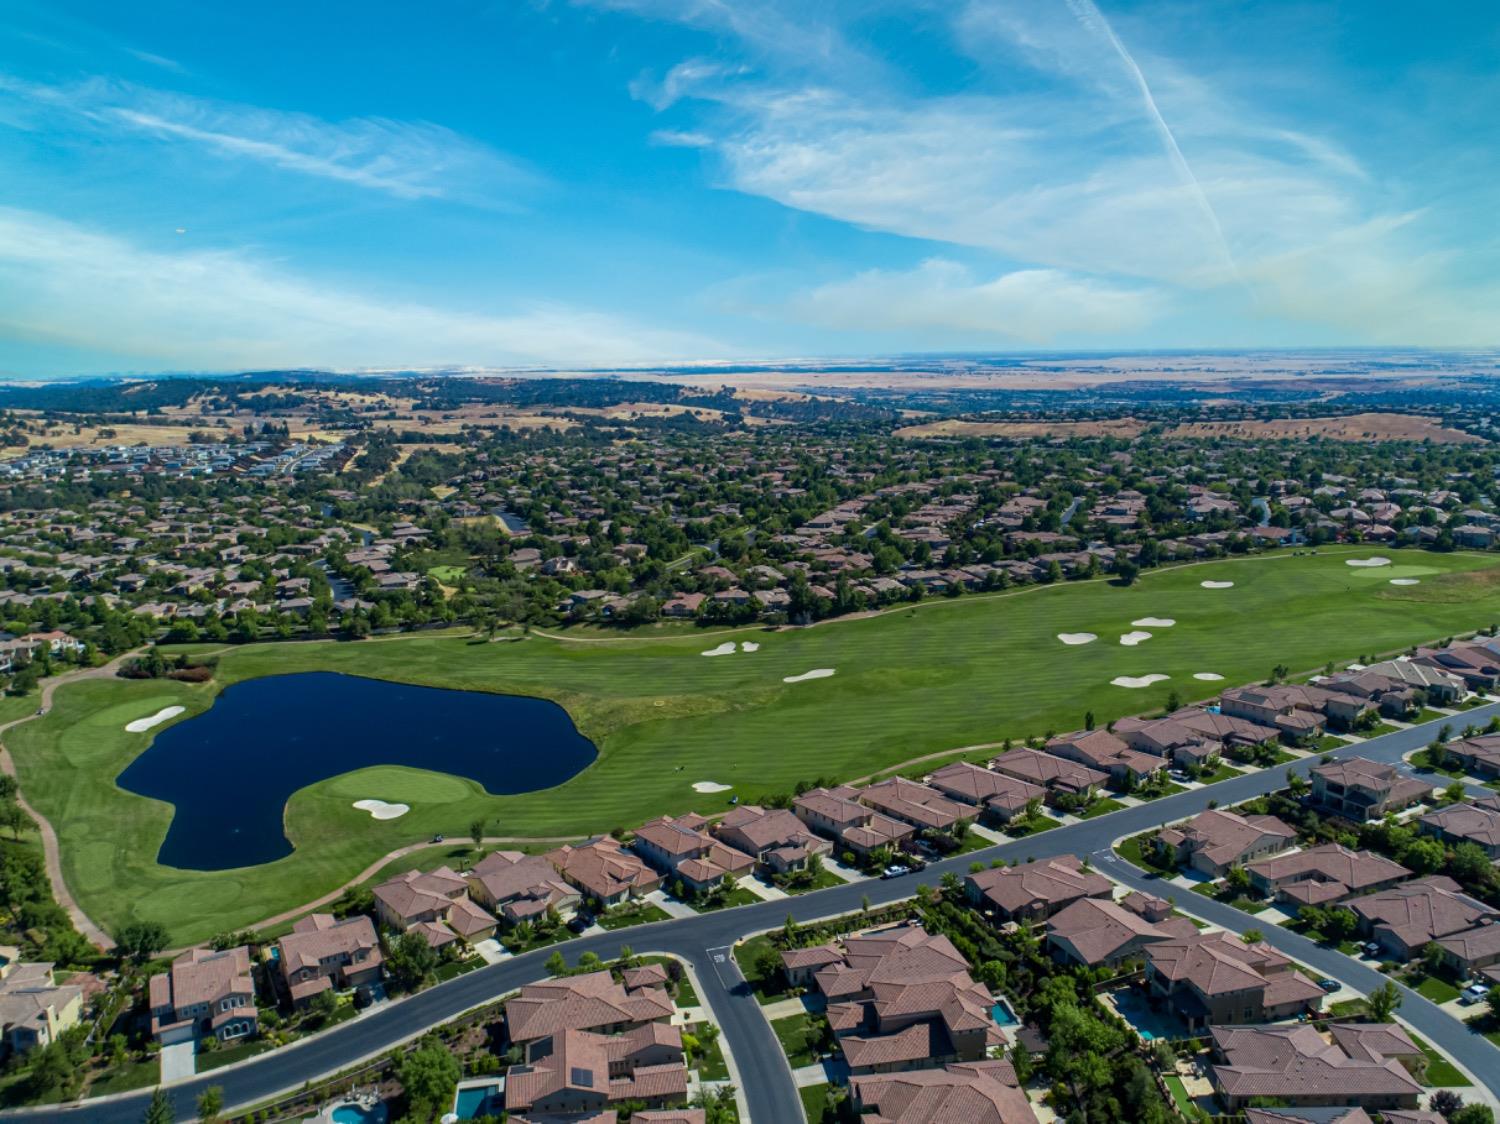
(1002,1014)
(478,1100)
(354,1114)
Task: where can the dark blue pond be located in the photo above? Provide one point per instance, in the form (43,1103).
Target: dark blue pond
(229,772)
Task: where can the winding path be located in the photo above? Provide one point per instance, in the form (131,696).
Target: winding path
(51,851)
(705,941)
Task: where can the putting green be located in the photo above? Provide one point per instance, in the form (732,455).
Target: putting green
(926,678)
(394,784)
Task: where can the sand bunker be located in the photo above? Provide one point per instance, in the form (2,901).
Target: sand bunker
(1154,622)
(1217,585)
(141,725)
(711,786)
(1131,639)
(749,646)
(725,649)
(815,673)
(1137,680)
(1207,676)
(380,810)
(1405,581)
(1072,638)
(1378,560)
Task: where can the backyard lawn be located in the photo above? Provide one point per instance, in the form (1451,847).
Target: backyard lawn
(799,1036)
(922,679)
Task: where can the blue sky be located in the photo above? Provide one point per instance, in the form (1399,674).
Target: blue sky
(190,186)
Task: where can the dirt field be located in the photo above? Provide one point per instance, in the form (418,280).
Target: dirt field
(1021,431)
(1352,427)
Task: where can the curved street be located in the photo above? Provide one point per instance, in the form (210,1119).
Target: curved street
(705,941)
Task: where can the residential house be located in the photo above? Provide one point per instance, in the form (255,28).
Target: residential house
(774,837)
(595,1002)
(1297,1066)
(982,1092)
(1477,823)
(1438,686)
(204,993)
(518,887)
(576,1072)
(434,903)
(1403,919)
(1213,841)
(902,999)
(1179,742)
(1001,797)
(1036,890)
(605,872)
(1229,731)
(680,848)
(1099,931)
(1360,789)
(1470,952)
(34,1007)
(1297,713)
(1324,874)
(837,814)
(1477,665)
(1477,755)
(1101,750)
(1054,774)
(919,805)
(1217,979)
(322,953)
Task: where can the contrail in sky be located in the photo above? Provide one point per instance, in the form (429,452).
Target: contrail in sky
(1088,14)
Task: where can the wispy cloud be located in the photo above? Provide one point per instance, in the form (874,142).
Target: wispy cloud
(1032,306)
(1079,153)
(230,308)
(405,159)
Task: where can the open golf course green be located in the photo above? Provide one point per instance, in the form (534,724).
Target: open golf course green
(922,679)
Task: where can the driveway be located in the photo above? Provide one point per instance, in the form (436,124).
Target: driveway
(179,1061)
(706,941)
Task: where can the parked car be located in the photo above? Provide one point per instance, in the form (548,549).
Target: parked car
(895,871)
(1472,994)
(1329,985)
(1370,948)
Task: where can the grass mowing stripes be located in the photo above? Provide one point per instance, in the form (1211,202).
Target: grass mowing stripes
(928,678)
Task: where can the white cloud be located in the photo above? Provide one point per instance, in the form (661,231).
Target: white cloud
(1032,306)
(63,284)
(406,159)
(1083,149)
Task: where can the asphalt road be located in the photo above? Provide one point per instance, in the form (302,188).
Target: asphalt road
(704,941)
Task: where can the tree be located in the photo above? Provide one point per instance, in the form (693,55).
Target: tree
(159,1111)
(211,1101)
(411,959)
(476,833)
(1251,936)
(1384,1002)
(1471,866)
(429,1074)
(1473,1114)
(141,940)
(1342,924)
(557,964)
(1237,878)
(1445,1102)
(324,1005)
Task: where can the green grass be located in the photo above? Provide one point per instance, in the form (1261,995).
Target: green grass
(1180,1097)
(1439,991)
(738,896)
(623,917)
(798,1035)
(1222,773)
(1422,759)
(447,575)
(915,681)
(228,1055)
(711,1063)
(1441,1073)
(1101,808)
(132,1075)
(1020,829)
(815,1104)
(1215,890)
(767,988)
(1134,851)
(823,880)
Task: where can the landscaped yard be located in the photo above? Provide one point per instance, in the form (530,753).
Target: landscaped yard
(1441,1073)
(768,986)
(906,683)
(738,896)
(815,1104)
(1035,825)
(1101,808)
(1180,1097)
(1135,849)
(1439,991)
(638,913)
(799,1036)
(1217,891)
(822,880)
(1222,773)
(711,1063)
